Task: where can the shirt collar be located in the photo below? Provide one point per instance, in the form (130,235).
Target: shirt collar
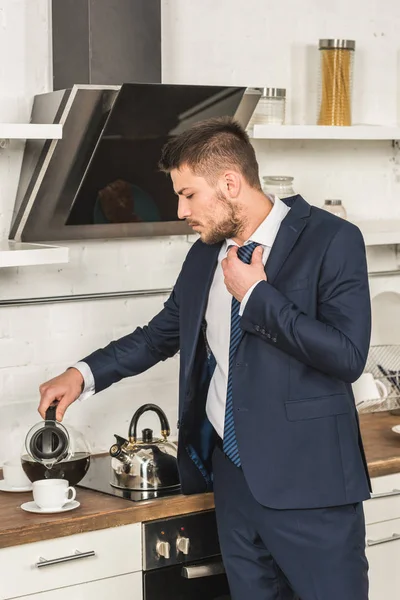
(265,233)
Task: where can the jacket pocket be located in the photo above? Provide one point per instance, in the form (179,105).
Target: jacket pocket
(292,286)
(315,408)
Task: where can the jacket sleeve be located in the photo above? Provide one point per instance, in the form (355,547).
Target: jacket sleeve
(337,340)
(140,350)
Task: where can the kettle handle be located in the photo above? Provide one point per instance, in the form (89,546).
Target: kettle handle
(165,430)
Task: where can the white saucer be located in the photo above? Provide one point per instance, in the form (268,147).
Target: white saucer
(4,487)
(34,508)
(396,429)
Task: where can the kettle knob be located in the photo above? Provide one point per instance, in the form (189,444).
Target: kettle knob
(147,435)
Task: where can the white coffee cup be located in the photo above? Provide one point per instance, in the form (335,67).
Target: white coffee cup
(367,388)
(14,475)
(51,494)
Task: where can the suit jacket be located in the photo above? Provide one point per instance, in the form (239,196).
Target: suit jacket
(306,333)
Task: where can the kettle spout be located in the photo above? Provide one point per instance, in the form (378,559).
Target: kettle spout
(120,440)
(118,450)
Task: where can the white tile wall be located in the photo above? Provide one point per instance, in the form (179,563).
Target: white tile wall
(224,42)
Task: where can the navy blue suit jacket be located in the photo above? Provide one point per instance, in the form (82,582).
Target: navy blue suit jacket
(306,335)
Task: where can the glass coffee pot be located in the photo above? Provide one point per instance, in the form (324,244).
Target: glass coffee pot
(53,451)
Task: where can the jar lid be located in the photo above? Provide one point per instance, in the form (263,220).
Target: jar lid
(335,43)
(278,178)
(270,92)
(333,202)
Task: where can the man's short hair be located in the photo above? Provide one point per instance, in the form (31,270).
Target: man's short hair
(210,147)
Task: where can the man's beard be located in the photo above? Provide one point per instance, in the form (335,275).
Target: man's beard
(230,226)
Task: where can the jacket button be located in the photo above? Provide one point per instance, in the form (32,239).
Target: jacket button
(257,327)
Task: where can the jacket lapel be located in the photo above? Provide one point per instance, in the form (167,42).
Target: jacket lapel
(203,275)
(288,234)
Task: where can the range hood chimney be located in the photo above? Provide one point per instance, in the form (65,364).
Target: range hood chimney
(106,42)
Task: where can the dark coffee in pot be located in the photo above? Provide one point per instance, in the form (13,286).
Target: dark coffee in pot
(72,470)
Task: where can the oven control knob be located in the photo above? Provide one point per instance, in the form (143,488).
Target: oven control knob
(182,545)
(163,549)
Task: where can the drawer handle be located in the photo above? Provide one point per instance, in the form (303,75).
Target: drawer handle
(203,570)
(392,538)
(44,562)
(385,494)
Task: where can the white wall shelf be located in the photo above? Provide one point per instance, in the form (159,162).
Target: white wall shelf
(321,132)
(380,231)
(25,131)
(19,254)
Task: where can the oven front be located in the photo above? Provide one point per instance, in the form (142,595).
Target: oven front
(182,559)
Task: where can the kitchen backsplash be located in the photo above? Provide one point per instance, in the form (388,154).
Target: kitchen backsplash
(274,47)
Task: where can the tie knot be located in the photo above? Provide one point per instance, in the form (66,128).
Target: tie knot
(246,252)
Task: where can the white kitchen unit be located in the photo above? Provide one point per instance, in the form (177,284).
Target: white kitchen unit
(378,232)
(321,132)
(103,589)
(30,131)
(382,517)
(20,254)
(92,565)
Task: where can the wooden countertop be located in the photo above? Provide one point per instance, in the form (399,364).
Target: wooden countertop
(100,511)
(97,511)
(382,445)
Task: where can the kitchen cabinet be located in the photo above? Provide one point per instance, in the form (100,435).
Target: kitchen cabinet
(128,586)
(80,563)
(383,553)
(382,517)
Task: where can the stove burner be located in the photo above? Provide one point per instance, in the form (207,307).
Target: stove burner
(98,479)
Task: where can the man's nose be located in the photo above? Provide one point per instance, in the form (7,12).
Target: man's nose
(183,209)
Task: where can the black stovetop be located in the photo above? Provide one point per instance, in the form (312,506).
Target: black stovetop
(98,479)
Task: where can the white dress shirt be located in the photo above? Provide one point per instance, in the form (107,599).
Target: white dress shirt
(218,319)
(218,313)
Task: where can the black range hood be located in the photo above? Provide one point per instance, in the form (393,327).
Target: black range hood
(101,179)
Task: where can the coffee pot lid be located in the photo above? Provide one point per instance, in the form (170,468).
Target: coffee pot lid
(48,442)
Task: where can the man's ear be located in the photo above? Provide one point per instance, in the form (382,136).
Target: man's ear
(231,184)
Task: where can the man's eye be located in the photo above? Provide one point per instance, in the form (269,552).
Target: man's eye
(190,196)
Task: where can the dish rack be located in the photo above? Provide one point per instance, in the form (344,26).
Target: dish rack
(384,363)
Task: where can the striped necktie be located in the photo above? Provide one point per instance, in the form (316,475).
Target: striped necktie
(230,446)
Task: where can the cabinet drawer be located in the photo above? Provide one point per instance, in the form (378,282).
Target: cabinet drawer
(122,586)
(385,502)
(83,557)
(383,552)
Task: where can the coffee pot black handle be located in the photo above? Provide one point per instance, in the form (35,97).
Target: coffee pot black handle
(165,430)
(51,413)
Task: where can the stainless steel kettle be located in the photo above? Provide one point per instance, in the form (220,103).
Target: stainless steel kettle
(145,464)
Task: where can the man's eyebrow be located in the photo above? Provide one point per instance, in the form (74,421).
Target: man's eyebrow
(181,191)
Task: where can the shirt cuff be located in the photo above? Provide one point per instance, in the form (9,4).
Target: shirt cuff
(88,379)
(246,298)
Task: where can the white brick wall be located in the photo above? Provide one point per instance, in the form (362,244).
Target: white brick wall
(211,42)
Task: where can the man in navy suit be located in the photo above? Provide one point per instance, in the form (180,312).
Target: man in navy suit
(271,314)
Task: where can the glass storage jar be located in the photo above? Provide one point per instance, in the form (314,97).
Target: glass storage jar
(270,109)
(281,186)
(335,81)
(336,208)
